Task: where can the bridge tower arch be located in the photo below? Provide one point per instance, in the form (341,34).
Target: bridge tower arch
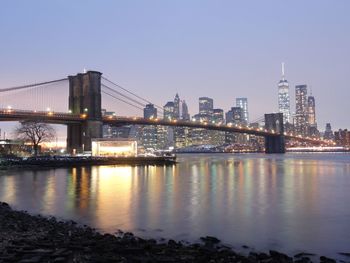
(85,100)
(275,143)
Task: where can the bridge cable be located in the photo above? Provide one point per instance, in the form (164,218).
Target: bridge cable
(121,100)
(137,96)
(121,94)
(32,85)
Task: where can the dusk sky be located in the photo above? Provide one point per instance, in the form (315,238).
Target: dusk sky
(219,49)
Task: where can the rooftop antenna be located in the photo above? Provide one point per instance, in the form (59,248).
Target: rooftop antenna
(84,70)
(283,70)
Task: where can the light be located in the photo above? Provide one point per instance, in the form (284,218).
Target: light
(86,110)
(70,111)
(9,107)
(48,109)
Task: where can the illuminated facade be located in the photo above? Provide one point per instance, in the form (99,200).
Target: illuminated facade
(301,110)
(114,147)
(243,104)
(283,98)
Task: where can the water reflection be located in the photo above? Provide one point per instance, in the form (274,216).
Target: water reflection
(290,202)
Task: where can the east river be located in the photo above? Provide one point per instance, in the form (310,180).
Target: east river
(290,203)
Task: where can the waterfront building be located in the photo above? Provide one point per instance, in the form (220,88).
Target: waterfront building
(301,110)
(342,137)
(109,131)
(218,137)
(114,147)
(234,116)
(328,134)
(184,114)
(283,98)
(150,112)
(243,103)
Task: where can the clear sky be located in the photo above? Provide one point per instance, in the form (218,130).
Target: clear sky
(221,49)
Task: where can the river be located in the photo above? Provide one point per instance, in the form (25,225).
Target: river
(291,203)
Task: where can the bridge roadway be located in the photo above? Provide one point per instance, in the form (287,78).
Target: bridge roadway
(66,118)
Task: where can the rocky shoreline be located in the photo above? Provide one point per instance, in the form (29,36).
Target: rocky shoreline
(28,238)
(72,161)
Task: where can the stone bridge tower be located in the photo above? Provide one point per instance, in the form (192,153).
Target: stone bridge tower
(85,100)
(275,143)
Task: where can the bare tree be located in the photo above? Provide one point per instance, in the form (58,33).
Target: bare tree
(35,132)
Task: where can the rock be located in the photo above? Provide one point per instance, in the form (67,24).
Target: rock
(303,254)
(210,239)
(280,257)
(324,259)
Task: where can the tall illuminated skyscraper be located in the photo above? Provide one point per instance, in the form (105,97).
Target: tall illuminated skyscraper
(243,103)
(283,98)
(177,106)
(301,110)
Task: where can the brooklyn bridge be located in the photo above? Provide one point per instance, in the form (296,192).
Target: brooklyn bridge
(84,120)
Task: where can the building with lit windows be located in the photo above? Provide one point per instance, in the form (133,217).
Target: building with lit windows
(283,98)
(114,147)
(168,110)
(301,110)
(311,111)
(150,112)
(243,104)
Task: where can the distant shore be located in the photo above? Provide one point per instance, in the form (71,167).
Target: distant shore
(28,238)
(70,161)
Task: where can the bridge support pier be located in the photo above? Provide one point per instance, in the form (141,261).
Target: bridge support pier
(275,143)
(85,100)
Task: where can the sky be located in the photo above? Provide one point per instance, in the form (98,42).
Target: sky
(222,49)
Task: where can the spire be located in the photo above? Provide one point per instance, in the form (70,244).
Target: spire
(283,70)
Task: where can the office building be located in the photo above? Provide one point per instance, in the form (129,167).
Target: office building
(283,98)
(311,108)
(328,134)
(177,107)
(150,112)
(206,106)
(184,114)
(301,110)
(243,103)
(169,111)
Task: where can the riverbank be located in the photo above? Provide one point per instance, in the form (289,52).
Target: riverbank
(28,238)
(70,161)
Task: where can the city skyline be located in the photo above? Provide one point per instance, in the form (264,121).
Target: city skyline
(214,56)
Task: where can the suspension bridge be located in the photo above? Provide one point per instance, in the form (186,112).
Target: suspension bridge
(80,108)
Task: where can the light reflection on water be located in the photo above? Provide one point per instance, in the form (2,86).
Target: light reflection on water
(289,203)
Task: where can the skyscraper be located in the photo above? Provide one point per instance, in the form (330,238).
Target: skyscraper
(243,103)
(283,98)
(150,111)
(328,134)
(301,110)
(177,107)
(311,110)
(169,110)
(184,112)
(206,106)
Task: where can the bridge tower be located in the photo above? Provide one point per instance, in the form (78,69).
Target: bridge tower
(275,143)
(84,99)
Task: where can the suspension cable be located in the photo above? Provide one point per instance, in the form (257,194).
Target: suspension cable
(32,85)
(122,100)
(137,96)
